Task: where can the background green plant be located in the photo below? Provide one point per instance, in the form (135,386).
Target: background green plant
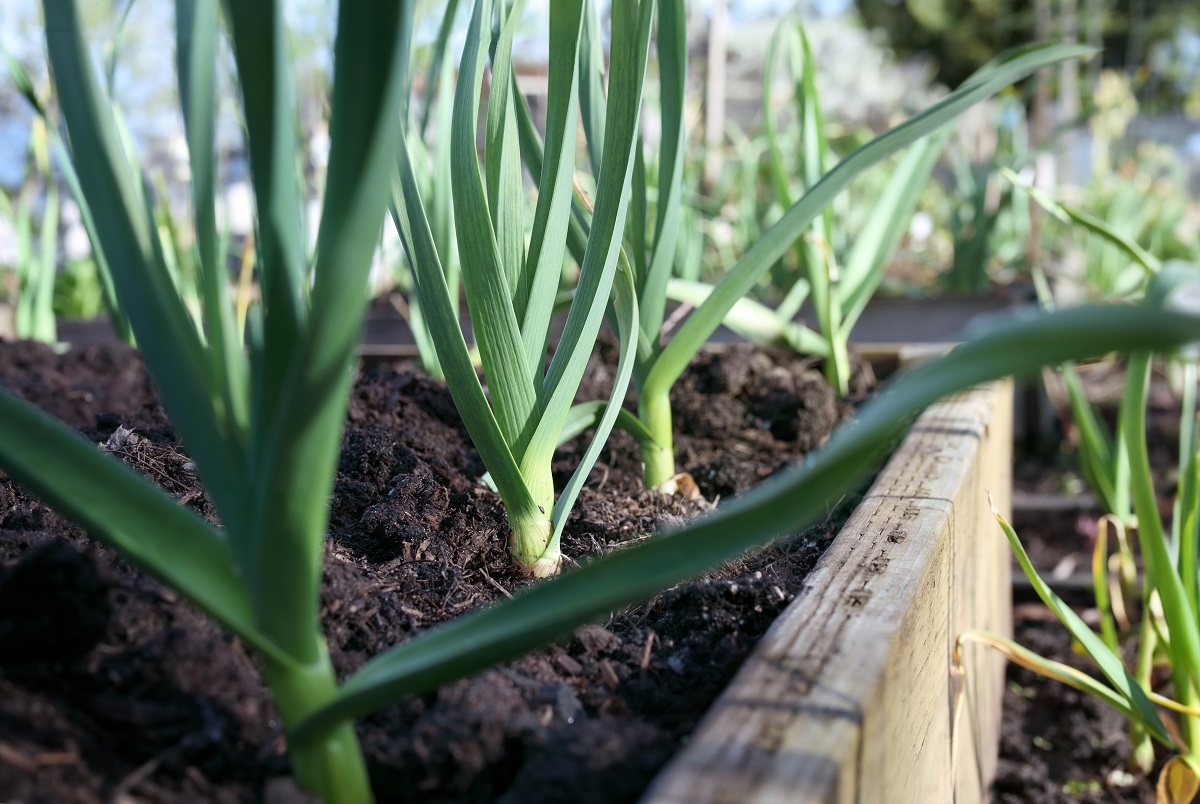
(839,273)
(662,361)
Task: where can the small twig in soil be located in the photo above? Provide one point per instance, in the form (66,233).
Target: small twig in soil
(611,679)
(495,583)
(32,764)
(139,775)
(603,478)
(647,649)
(518,679)
(675,318)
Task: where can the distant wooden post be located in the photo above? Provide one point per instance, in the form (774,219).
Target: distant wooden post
(1039,131)
(1068,105)
(714,94)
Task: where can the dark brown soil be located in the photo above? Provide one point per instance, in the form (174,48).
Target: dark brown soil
(1058,744)
(112,689)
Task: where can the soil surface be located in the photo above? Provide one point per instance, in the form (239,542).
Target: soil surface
(113,689)
(1057,744)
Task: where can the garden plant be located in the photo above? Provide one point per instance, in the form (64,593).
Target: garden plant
(262,416)
(839,282)
(661,359)
(1167,634)
(1116,467)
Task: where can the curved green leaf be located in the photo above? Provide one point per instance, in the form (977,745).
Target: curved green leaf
(630,46)
(1069,214)
(497,330)
(442,320)
(625,307)
(585,415)
(196,56)
(547,246)
(671,41)
(1017,345)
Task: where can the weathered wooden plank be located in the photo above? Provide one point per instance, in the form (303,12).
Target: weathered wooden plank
(850,696)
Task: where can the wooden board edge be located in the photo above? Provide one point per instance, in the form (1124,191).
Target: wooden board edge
(861,707)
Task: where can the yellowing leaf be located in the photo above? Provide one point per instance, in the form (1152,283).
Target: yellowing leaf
(1178,783)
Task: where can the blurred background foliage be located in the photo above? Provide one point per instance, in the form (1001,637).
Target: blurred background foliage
(1116,137)
(1158,41)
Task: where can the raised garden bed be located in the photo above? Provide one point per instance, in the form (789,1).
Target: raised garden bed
(850,696)
(155,702)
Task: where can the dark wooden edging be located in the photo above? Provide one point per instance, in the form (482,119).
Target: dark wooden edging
(850,695)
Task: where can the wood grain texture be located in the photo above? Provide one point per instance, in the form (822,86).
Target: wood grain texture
(850,695)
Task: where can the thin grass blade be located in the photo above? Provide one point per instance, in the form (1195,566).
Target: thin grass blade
(196,58)
(1048,668)
(435,76)
(506,200)
(514,397)
(1110,663)
(1070,215)
(625,309)
(592,102)
(631,28)
(556,166)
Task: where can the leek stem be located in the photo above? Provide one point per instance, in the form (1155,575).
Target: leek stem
(332,766)
(530,544)
(658,457)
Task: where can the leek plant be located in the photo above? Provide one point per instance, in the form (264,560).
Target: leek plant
(661,360)
(263,423)
(511,286)
(1170,602)
(262,418)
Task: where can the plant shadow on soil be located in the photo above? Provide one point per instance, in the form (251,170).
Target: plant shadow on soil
(112,688)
